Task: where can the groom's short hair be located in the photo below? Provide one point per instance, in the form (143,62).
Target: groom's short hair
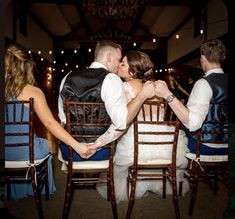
(104,45)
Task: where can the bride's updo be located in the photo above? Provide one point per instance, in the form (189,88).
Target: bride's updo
(140,65)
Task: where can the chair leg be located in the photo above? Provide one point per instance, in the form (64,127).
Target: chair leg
(108,188)
(193,194)
(111,191)
(164,183)
(132,198)
(180,188)
(68,199)
(215,184)
(175,197)
(37,195)
(46,181)
(8,183)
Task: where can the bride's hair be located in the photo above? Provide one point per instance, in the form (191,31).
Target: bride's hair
(140,65)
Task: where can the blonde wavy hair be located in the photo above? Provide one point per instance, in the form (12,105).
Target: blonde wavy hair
(19,67)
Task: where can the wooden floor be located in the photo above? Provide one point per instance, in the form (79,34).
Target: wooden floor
(88,204)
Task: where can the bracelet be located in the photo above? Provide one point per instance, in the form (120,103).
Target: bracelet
(170,98)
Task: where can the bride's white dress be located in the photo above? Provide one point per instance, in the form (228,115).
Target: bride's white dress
(124,158)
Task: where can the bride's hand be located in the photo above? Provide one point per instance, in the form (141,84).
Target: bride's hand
(148,89)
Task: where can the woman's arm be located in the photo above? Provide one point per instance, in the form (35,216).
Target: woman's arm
(183,90)
(48,120)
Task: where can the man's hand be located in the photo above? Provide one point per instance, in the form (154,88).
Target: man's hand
(161,89)
(84,150)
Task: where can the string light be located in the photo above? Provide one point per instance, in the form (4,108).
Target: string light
(154,40)
(134,44)
(177,36)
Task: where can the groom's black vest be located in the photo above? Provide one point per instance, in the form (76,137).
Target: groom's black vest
(85,86)
(217,112)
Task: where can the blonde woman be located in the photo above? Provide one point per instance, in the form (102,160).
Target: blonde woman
(19,85)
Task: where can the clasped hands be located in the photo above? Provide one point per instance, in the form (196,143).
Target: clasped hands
(155,88)
(86,150)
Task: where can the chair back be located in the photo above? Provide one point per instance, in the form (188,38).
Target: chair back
(19,125)
(86,121)
(155,119)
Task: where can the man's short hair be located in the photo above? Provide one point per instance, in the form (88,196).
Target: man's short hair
(105,45)
(214,50)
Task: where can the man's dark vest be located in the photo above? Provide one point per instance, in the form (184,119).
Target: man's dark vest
(218,109)
(85,86)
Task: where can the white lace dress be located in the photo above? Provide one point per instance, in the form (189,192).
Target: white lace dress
(124,158)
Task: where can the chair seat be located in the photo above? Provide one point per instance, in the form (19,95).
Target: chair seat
(155,161)
(85,165)
(24,164)
(208,158)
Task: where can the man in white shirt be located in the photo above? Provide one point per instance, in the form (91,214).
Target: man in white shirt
(212,88)
(96,84)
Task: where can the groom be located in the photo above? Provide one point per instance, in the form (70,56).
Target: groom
(99,83)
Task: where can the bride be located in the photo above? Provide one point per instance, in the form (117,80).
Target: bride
(136,68)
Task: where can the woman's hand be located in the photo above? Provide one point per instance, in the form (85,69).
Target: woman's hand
(84,150)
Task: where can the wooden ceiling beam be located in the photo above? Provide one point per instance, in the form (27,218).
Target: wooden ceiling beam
(39,23)
(137,19)
(84,21)
(137,38)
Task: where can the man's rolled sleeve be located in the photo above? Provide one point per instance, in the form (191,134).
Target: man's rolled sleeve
(113,95)
(197,117)
(198,104)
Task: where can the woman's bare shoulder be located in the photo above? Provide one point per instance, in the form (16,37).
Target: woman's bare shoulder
(30,91)
(136,85)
